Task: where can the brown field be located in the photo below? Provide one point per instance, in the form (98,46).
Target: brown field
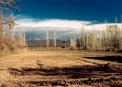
(61,68)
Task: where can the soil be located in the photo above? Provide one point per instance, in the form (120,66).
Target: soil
(61,68)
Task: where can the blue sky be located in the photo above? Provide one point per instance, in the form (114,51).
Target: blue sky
(87,10)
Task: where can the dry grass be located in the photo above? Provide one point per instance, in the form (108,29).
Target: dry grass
(57,68)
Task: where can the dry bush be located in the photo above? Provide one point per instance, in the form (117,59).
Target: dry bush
(8,43)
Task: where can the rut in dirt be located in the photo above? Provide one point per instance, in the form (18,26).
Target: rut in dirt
(107,73)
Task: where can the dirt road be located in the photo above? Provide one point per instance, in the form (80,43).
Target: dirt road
(57,68)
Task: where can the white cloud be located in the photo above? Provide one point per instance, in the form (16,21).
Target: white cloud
(101,27)
(52,24)
(26,24)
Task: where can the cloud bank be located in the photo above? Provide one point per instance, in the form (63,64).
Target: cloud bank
(29,24)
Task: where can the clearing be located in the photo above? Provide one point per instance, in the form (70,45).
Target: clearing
(35,68)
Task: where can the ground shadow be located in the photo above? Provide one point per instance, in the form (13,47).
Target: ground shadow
(108,58)
(69,72)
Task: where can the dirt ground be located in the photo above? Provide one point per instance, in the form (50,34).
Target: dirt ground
(61,68)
